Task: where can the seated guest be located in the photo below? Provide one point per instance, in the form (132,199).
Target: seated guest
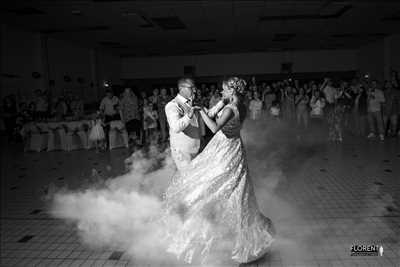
(60,108)
(41,105)
(76,107)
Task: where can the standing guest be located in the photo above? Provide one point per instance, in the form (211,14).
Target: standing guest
(301,102)
(155,96)
(143,95)
(172,91)
(263,87)
(215,98)
(253,82)
(268,96)
(376,99)
(10,116)
(213,88)
(130,114)
(255,106)
(162,117)
(391,109)
(41,105)
(248,97)
(150,99)
(342,97)
(96,134)
(141,100)
(317,105)
(330,93)
(203,88)
(205,98)
(31,110)
(275,110)
(289,103)
(360,110)
(69,97)
(108,107)
(313,88)
(395,80)
(23,117)
(150,118)
(280,92)
(307,90)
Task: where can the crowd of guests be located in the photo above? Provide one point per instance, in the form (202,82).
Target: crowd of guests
(361,106)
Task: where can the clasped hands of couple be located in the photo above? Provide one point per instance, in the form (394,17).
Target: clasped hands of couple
(194,109)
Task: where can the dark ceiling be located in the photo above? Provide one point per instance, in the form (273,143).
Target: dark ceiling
(164,28)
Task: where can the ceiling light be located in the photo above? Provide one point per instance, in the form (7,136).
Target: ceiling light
(129,13)
(76,12)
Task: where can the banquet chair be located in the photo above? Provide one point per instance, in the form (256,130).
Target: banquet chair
(76,136)
(118,136)
(36,135)
(57,136)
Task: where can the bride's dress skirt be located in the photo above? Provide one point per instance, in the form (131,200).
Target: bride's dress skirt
(215,202)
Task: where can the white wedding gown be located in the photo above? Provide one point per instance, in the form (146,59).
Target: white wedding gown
(215,201)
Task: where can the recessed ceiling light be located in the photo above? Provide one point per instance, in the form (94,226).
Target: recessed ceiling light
(76,12)
(129,13)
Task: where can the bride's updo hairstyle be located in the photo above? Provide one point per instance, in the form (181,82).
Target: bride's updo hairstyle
(236,84)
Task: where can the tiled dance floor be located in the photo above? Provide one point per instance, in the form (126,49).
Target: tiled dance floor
(328,197)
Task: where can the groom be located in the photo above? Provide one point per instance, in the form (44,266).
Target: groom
(184,126)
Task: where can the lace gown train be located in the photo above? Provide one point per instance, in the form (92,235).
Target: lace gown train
(215,201)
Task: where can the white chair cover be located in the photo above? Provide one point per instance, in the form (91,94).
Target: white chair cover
(118,136)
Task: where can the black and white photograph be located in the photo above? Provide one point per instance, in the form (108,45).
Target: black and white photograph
(225,133)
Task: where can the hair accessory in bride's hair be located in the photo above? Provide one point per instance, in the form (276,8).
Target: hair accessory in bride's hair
(237,84)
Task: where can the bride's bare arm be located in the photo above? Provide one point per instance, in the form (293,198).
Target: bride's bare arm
(215,126)
(215,109)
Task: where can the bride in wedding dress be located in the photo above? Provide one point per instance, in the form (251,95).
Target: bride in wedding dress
(214,196)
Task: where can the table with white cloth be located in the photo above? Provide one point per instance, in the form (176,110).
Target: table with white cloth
(68,135)
(56,135)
